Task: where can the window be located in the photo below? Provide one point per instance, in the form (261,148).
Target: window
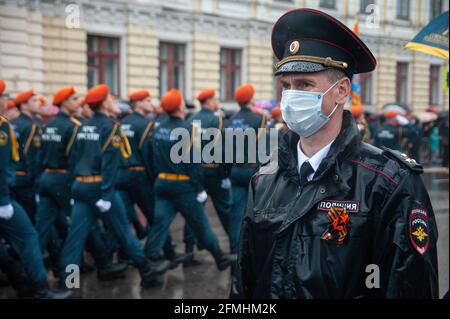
(363,4)
(329,4)
(230,72)
(435,8)
(171,67)
(103,62)
(402,83)
(435,71)
(366,89)
(403,9)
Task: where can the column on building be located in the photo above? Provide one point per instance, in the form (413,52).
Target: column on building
(386,79)
(142,59)
(420,76)
(21,63)
(64,55)
(260,68)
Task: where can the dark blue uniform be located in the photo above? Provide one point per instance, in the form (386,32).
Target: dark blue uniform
(388,136)
(176,187)
(244,167)
(214,173)
(18,230)
(98,148)
(28,134)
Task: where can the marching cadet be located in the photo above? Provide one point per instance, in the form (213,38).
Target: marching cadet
(242,171)
(15,225)
(55,183)
(179,185)
(336,218)
(388,133)
(98,149)
(134,179)
(216,181)
(28,133)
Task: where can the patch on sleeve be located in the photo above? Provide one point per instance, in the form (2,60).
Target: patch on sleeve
(3,138)
(37,141)
(418,229)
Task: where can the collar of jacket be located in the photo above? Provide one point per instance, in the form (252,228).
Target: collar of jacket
(63,114)
(345,144)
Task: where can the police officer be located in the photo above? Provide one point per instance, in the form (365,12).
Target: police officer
(244,168)
(98,147)
(179,185)
(216,181)
(333,205)
(28,134)
(15,225)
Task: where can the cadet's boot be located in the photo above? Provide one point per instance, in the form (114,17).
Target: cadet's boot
(17,278)
(174,257)
(150,270)
(111,271)
(223,260)
(191,259)
(42,291)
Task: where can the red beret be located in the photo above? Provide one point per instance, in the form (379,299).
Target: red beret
(276,111)
(357,110)
(2,86)
(390,114)
(206,94)
(171,101)
(63,94)
(96,94)
(139,95)
(24,96)
(244,93)
(10,104)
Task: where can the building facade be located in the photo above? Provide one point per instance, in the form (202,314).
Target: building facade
(197,44)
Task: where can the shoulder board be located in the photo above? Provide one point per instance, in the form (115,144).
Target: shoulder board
(75,121)
(404,159)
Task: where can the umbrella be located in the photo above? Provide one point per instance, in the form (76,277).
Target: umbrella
(425,117)
(434,109)
(433,38)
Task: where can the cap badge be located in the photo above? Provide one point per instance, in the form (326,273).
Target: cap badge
(294,47)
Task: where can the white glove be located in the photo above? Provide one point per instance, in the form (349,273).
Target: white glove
(72,202)
(226,183)
(103,205)
(402,120)
(37,199)
(201,197)
(6,211)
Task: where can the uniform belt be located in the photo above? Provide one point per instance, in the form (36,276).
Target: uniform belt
(248,165)
(173,177)
(21,173)
(210,165)
(57,170)
(89,179)
(136,168)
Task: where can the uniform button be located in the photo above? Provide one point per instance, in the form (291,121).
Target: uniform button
(336,178)
(322,189)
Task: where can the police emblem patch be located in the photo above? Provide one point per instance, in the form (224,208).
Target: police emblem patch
(3,138)
(116,141)
(37,142)
(340,222)
(418,229)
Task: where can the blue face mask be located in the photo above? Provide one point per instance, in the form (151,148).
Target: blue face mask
(302,111)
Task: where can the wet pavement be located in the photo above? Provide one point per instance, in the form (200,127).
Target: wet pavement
(205,281)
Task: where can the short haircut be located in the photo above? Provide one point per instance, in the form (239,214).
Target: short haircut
(334,75)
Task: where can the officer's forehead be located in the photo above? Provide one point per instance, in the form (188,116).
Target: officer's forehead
(300,77)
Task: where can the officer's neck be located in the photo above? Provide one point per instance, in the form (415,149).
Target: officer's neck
(140,112)
(314,143)
(27,113)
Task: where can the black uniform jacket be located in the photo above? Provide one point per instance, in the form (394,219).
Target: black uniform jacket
(363,227)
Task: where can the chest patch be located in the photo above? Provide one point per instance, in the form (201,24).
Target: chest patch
(350,206)
(419,230)
(339,225)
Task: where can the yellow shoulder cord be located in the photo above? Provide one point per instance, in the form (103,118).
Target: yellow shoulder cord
(73,136)
(219,129)
(14,143)
(30,137)
(144,136)
(125,147)
(110,137)
(262,125)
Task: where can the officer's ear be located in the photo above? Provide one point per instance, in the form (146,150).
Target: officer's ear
(344,90)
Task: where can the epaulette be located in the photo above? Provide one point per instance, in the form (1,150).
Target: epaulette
(75,121)
(403,159)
